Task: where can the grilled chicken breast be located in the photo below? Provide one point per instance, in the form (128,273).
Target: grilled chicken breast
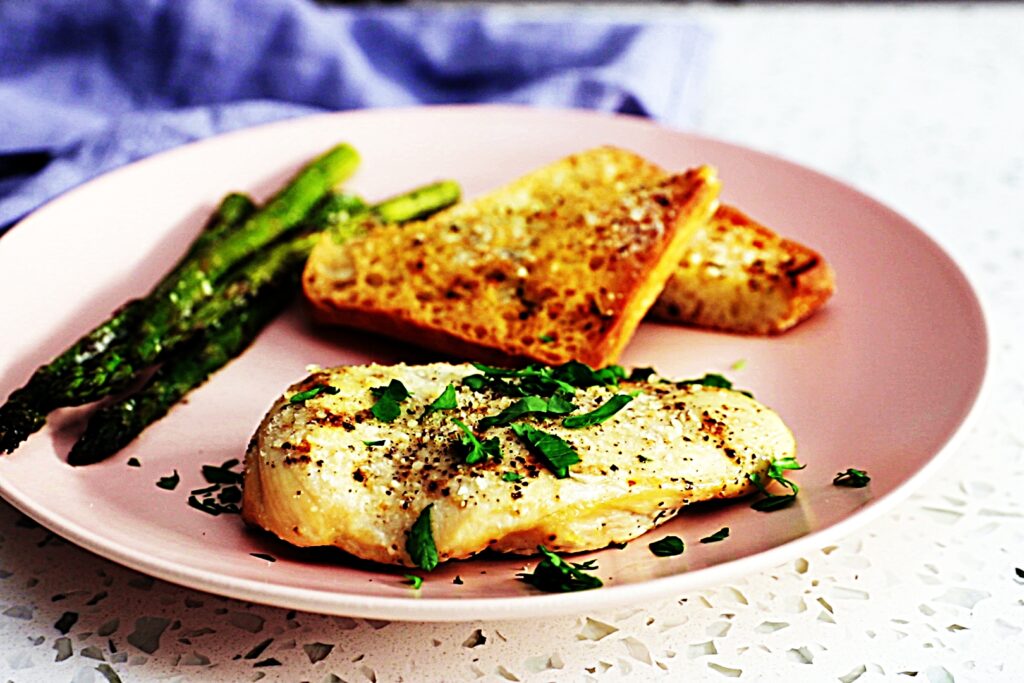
(325,471)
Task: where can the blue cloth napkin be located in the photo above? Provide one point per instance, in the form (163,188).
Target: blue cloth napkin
(88,86)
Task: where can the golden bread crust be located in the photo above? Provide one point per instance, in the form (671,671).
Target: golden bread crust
(739,276)
(560,264)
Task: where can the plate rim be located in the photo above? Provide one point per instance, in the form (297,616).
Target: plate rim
(529,605)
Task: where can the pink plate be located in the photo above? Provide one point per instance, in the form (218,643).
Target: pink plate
(882,380)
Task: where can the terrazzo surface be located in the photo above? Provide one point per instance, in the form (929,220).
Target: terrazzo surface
(918,106)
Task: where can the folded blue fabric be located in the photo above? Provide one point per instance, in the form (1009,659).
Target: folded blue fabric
(91,85)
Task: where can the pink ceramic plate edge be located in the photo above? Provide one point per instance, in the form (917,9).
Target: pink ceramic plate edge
(22,488)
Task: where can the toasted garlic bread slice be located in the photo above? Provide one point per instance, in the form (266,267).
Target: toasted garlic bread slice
(561,264)
(327,472)
(739,276)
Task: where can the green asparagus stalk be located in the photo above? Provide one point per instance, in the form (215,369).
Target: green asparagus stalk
(230,321)
(24,412)
(106,359)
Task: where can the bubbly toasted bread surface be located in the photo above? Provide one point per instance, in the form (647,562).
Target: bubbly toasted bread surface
(739,276)
(561,264)
(326,472)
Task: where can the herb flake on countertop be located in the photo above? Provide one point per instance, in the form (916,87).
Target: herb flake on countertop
(667,547)
(420,543)
(412,580)
(719,535)
(170,482)
(134,462)
(556,454)
(601,413)
(852,478)
(264,556)
(554,575)
(387,408)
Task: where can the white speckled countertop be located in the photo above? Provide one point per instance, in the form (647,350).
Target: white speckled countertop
(919,106)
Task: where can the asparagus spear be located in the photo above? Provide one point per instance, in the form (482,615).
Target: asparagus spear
(24,412)
(105,360)
(234,319)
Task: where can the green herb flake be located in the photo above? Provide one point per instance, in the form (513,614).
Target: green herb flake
(377,442)
(641,374)
(458,580)
(544,380)
(771,502)
(208,506)
(473,449)
(855,479)
(739,364)
(413,580)
(511,476)
(530,405)
(169,482)
(134,462)
(1020,572)
(420,543)
(667,547)
(554,575)
(222,474)
(719,535)
(546,338)
(312,392)
(776,472)
(555,453)
(446,401)
(264,556)
(387,409)
(601,413)
(712,379)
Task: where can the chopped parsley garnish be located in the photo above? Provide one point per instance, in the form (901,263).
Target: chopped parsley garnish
(224,493)
(856,479)
(446,401)
(473,449)
(530,405)
(555,453)
(546,338)
(511,476)
(264,556)
(641,374)
(554,575)
(601,413)
(313,392)
(170,482)
(712,379)
(375,442)
(457,580)
(387,409)
(776,472)
(134,462)
(420,543)
(667,547)
(542,380)
(719,535)
(413,580)
(739,364)
(222,474)
(1020,572)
